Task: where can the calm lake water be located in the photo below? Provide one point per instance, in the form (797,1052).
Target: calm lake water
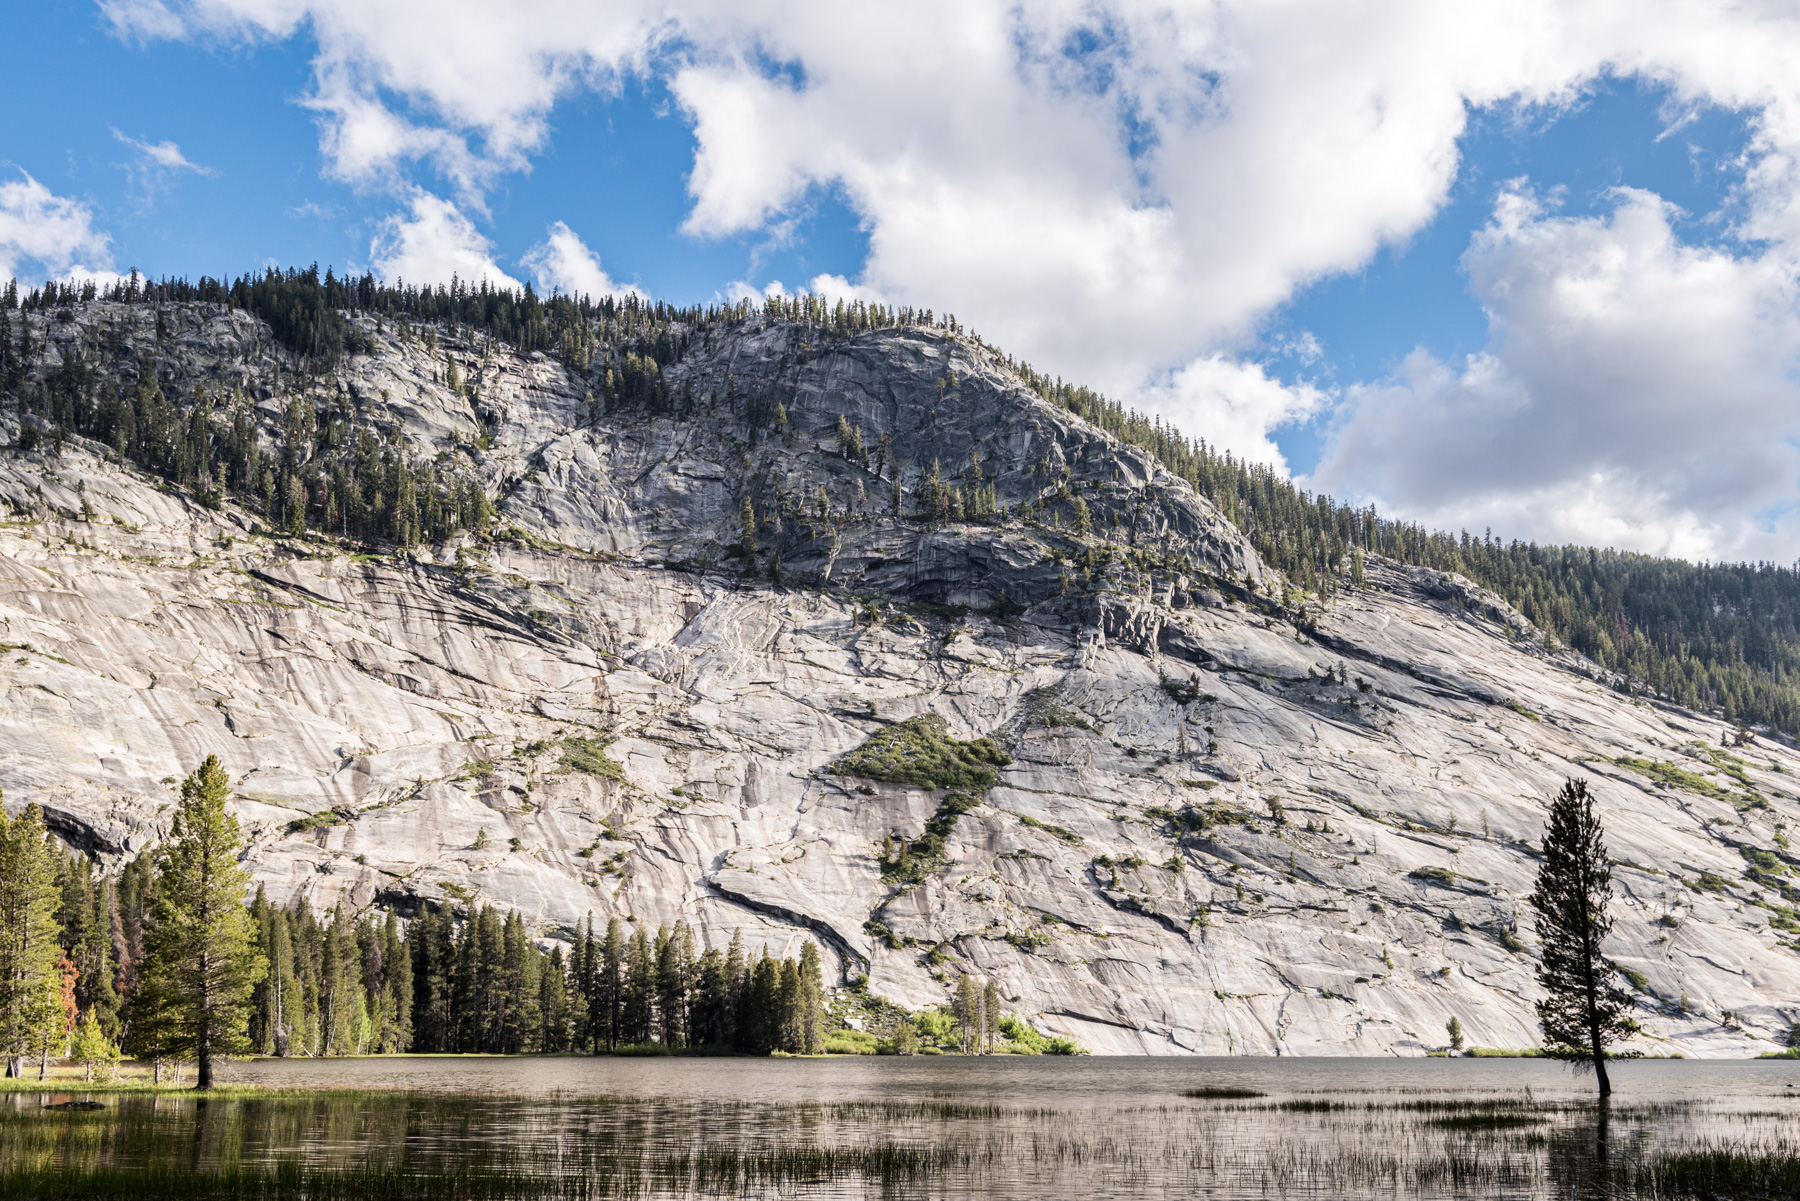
(949,1127)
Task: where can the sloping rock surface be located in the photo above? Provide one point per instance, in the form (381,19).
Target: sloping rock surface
(1229,825)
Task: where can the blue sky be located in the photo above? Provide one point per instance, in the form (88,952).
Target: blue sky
(1237,247)
(1620,133)
(615,169)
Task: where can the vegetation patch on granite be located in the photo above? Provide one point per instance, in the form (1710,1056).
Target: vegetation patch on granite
(322,820)
(1068,836)
(1670,776)
(588,756)
(920,752)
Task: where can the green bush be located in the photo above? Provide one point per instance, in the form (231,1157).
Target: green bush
(322,820)
(1670,776)
(1023,1039)
(1768,861)
(1433,875)
(912,861)
(851,1042)
(919,752)
(476,769)
(1068,836)
(588,755)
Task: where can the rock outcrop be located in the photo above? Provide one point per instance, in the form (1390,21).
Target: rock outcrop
(1229,824)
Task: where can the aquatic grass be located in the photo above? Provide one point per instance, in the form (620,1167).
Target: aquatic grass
(1220,1093)
(1738,1172)
(1488,1121)
(934,1109)
(950,1143)
(291,1183)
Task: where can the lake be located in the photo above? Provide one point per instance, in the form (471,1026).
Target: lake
(1001,1127)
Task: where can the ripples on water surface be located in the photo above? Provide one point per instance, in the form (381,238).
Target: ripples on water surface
(949,1128)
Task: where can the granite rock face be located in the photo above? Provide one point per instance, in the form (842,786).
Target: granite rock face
(1229,825)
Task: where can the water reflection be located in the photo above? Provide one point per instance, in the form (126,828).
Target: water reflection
(950,1128)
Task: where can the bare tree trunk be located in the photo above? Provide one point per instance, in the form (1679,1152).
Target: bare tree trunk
(203,1054)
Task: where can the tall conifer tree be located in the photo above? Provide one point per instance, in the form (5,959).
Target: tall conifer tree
(611,992)
(199,942)
(30,977)
(1583,1010)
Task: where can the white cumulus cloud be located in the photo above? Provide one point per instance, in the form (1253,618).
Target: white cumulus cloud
(431,243)
(1233,405)
(1125,193)
(563,262)
(43,235)
(1635,391)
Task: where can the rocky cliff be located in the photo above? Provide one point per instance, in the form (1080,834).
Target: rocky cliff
(1228,820)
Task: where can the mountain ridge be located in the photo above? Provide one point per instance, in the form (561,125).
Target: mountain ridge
(1138,877)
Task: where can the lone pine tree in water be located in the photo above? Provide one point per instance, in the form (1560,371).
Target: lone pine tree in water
(199,939)
(1583,1010)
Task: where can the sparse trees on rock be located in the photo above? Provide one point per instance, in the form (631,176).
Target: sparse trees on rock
(747,536)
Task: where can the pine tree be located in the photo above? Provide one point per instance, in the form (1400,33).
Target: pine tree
(787,1007)
(990,1017)
(1583,1010)
(486,936)
(759,1016)
(281,992)
(965,1006)
(747,537)
(638,1012)
(309,970)
(521,1020)
(199,940)
(812,1001)
(553,1004)
(1081,522)
(29,952)
(92,1049)
(611,990)
(733,984)
(341,1006)
(154,1029)
(396,1032)
(433,963)
(584,974)
(57,1014)
(707,1014)
(87,939)
(674,982)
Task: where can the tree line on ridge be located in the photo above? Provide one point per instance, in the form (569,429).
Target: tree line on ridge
(1722,637)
